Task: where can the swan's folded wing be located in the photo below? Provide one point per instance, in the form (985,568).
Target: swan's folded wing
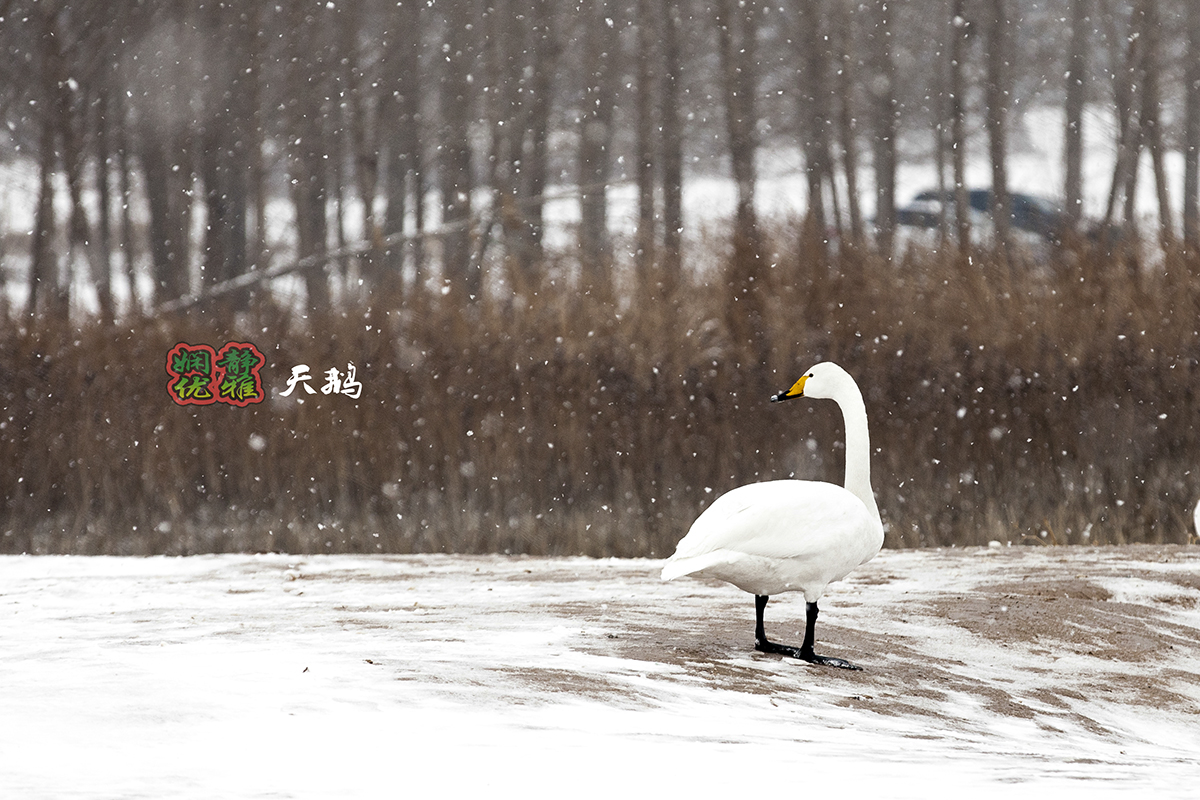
(777,520)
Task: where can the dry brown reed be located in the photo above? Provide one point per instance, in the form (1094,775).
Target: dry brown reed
(1053,402)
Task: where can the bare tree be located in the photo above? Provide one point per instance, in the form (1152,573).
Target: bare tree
(454,164)
(163,92)
(546,48)
(959,32)
(361,107)
(737,47)
(1126,80)
(69,52)
(124,164)
(996,94)
(401,113)
(884,124)
(737,33)
(46,293)
(308,72)
(672,145)
(1151,127)
(225,148)
(813,65)
(645,60)
(254,129)
(843,34)
(1191,137)
(104,191)
(595,138)
(507,50)
(1076,96)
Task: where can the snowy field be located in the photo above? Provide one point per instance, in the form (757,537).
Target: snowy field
(1065,671)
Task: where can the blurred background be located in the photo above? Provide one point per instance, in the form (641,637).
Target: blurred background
(571,248)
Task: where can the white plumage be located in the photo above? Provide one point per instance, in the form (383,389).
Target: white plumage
(778,536)
(792,536)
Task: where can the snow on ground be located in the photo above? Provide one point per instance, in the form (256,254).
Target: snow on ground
(1065,670)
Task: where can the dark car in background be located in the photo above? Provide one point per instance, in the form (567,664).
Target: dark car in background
(1039,216)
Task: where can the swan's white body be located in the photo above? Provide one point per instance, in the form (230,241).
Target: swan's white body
(788,536)
(779,536)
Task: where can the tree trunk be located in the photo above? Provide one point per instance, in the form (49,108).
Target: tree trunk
(813,116)
(1076,91)
(217,223)
(104,203)
(737,32)
(883,89)
(402,110)
(1151,71)
(215,153)
(595,139)
(43,270)
(308,65)
(69,118)
(1128,146)
(82,246)
(959,33)
(1191,180)
(672,148)
(454,167)
(254,115)
(996,93)
(737,38)
(546,50)
(645,157)
(847,125)
(509,48)
(362,118)
(242,141)
(166,149)
(125,168)
(167,199)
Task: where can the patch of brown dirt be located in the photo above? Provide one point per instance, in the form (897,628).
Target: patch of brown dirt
(1070,613)
(563,681)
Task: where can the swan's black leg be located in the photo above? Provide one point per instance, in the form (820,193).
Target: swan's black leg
(760,634)
(805,651)
(810,638)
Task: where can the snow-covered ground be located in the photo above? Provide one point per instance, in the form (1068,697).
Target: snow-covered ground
(1069,671)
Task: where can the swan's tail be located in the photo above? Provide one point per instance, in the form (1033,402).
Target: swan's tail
(676,569)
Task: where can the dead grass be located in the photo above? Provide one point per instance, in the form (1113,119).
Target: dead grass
(1051,403)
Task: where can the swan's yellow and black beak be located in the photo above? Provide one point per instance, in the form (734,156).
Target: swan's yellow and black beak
(797,390)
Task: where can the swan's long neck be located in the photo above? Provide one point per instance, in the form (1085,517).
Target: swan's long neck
(858,448)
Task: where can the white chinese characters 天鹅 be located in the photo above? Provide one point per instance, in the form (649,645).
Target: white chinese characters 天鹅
(335,381)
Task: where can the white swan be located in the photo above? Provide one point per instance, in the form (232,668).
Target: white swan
(790,535)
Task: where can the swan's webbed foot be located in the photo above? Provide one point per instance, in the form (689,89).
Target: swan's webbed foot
(803,654)
(763,646)
(830,661)
(805,651)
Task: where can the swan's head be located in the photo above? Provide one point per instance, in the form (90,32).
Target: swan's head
(825,380)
